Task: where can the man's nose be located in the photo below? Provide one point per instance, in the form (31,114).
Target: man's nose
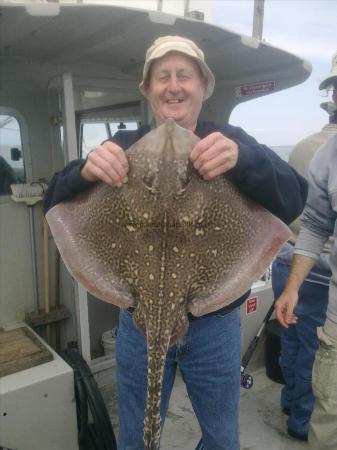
(174,85)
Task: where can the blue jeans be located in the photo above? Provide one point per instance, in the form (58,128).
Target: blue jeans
(208,357)
(299,344)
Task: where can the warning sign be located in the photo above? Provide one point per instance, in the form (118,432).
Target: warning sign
(247,90)
(251,305)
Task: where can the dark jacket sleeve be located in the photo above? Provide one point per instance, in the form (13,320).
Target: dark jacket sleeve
(263,176)
(69,182)
(65,184)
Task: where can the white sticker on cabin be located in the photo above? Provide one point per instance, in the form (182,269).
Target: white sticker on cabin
(251,305)
(247,90)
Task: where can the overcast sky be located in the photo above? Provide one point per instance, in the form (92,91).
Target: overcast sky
(307,28)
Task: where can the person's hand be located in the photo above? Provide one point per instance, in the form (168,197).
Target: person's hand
(214,155)
(108,163)
(284,308)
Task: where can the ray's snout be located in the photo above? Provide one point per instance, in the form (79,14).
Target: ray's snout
(167,164)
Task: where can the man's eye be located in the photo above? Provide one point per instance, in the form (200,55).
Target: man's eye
(183,77)
(163,78)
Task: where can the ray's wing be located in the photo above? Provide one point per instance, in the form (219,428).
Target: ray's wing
(87,233)
(231,242)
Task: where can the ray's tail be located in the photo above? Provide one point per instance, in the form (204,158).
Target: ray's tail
(157,349)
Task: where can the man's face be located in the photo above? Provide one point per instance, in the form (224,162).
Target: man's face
(176,90)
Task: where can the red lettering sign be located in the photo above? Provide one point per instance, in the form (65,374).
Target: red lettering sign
(251,305)
(247,90)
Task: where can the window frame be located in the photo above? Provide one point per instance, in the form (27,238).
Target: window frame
(26,155)
(106,115)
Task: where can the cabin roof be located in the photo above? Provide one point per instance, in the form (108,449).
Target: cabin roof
(119,37)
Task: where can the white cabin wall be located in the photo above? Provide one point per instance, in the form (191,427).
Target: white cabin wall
(26,95)
(16,281)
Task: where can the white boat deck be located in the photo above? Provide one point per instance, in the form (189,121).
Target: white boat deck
(262,424)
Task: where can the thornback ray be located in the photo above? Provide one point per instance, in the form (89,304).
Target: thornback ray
(167,243)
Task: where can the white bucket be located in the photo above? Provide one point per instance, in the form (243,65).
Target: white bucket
(109,341)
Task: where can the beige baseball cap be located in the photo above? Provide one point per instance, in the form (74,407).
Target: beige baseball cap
(332,76)
(166,44)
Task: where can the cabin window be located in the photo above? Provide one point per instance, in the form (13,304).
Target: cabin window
(11,161)
(93,133)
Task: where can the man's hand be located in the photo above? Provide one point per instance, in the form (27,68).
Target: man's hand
(106,163)
(284,307)
(214,155)
(285,304)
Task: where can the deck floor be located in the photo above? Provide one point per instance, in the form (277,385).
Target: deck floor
(262,424)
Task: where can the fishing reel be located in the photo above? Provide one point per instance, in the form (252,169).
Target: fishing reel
(247,380)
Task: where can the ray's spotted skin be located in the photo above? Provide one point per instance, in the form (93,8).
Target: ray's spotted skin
(166,243)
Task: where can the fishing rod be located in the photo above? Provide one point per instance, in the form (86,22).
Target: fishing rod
(247,379)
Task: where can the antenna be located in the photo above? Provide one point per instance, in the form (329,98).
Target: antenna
(258,19)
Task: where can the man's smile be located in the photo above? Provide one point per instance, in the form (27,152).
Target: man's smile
(174,101)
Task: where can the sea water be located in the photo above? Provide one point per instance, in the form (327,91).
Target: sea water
(282,150)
